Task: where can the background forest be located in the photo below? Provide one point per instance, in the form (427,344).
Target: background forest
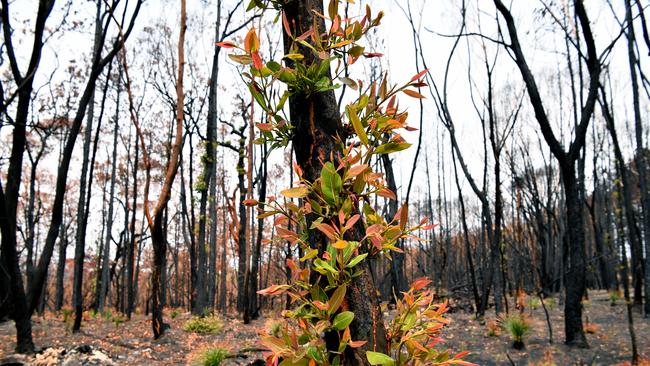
(144,142)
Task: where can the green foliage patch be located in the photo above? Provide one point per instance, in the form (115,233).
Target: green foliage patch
(205,325)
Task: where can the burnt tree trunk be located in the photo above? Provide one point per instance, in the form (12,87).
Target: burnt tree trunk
(575,288)
(16,305)
(318,125)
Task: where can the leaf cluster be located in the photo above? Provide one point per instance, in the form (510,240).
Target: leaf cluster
(335,221)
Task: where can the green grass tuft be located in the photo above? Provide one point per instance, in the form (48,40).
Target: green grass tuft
(518,327)
(210,357)
(206,325)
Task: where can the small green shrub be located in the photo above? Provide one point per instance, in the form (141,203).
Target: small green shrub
(614,296)
(210,357)
(67,313)
(118,320)
(518,327)
(174,314)
(274,327)
(107,315)
(534,303)
(550,303)
(207,325)
(67,317)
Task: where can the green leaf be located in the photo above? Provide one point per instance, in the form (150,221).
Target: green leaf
(337,299)
(357,260)
(392,147)
(294,56)
(287,76)
(356,123)
(252,5)
(319,263)
(324,68)
(356,51)
(282,101)
(333,9)
(378,358)
(311,254)
(314,354)
(300,362)
(330,183)
(259,98)
(274,66)
(409,321)
(342,320)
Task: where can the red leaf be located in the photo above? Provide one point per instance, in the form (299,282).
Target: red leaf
(420,283)
(287,234)
(372,54)
(250,202)
(413,94)
(429,227)
(274,290)
(285,23)
(257,60)
(265,126)
(419,74)
(328,230)
(357,169)
(226,45)
(353,220)
(385,192)
(357,344)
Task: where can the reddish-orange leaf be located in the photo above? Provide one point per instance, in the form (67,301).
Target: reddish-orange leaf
(357,344)
(251,43)
(292,264)
(385,192)
(374,229)
(353,220)
(372,54)
(429,227)
(250,202)
(285,23)
(306,35)
(265,126)
(404,216)
(420,283)
(341,217)
(280,220)
(376,241)
(257,60)
(419,75)
(226,45)
(357,169)
(274,290)
(298,169)
(287,234)
(328,230)
(413,94)
(335,24)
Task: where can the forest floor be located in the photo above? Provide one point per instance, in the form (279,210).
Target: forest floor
(130,343)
